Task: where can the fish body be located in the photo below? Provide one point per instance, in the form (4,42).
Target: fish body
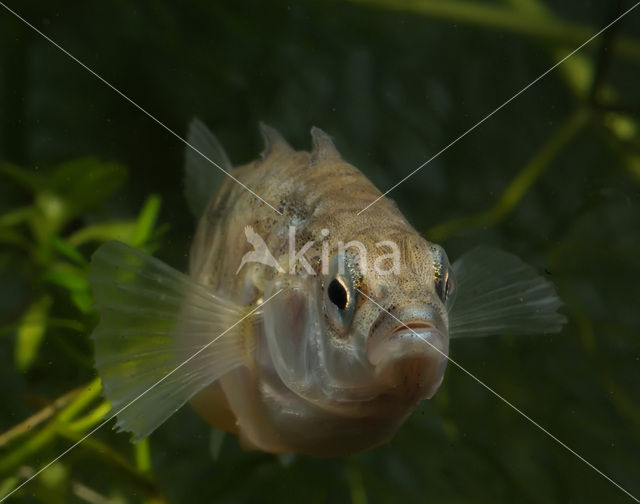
(315,330)
(316,192)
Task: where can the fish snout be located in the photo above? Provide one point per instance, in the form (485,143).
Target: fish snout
(410,357)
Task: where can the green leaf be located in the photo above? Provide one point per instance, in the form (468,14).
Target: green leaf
(66,192)
(114,230)
(17,216)
(68,250)
(74,279)
(26,178)
(83,300)
(31,330)
(68,276)
(54,476)
(146,221)
(10,237)
(86,183)
(52,213)
(7,485)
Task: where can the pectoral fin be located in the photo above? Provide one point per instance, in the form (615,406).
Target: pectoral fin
(500,294)
(161,338)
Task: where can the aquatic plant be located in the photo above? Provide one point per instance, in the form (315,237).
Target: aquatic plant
(554,177)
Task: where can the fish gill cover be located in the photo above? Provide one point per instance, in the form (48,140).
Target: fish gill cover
(552,177)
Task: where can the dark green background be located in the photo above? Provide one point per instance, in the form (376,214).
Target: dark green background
(392,86)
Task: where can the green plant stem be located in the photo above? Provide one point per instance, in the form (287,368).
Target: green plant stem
(8,484)
(102,450)
(356,484)
(92,418)
(67,426)
(141,478)
(84,398)
(577,71)
(16,216)
(518,187)
(586,82)
(45,436)
(534,24)
(143,456)
(33,445)
(41,416)
(71,324)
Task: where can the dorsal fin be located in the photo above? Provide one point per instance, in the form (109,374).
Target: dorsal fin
(273,141)
(202,177)
(323,147)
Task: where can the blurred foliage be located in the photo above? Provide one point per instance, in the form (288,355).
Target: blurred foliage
(553,177)
(50,238)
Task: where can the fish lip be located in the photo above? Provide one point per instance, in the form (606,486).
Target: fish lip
(419,339)
(410,358)
(414,326)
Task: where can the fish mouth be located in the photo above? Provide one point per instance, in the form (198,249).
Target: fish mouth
(411,358)
(414,326)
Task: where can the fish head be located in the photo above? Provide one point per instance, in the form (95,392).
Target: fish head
(403,313)
(363,330)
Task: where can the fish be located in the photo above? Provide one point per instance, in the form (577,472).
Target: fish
(313,329)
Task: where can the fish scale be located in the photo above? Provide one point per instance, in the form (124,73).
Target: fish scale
(314,330)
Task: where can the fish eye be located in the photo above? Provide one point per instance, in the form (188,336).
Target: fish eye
(450,287)
(338,293)
(340,300)
(445,283)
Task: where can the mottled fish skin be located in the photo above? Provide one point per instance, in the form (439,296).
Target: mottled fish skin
(314,191)
(310,359)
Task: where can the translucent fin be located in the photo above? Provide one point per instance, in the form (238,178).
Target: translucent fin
(497,293)
(286,459)
(216,440)
(153,319)
(203,178)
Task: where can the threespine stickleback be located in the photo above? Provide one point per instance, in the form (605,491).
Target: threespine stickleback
(311,329)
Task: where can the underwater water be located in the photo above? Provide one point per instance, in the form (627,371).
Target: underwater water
(553,177)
